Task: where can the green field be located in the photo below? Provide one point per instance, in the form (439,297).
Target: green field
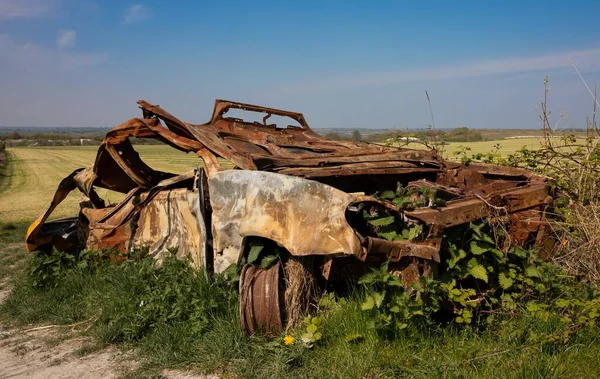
(35,173)
(507,146)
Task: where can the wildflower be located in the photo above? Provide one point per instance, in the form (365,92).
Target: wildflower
(563,243)
(289,340)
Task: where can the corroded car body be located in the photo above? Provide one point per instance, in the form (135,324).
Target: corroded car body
(290,187)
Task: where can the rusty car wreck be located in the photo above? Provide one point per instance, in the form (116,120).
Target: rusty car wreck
(290,187)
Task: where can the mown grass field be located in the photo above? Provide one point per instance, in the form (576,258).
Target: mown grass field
(34,173)
(507,146)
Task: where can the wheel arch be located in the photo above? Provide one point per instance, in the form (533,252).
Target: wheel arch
(303,216)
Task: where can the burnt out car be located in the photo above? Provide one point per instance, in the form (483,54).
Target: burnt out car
(291,194)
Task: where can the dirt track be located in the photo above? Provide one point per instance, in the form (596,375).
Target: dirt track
(55,353)
(47,352)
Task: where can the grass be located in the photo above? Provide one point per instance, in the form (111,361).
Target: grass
(105,300)
(108,299)
(507,146)
(12,253)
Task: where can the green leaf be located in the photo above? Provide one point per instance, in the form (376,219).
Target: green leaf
(488,239)
(399,188)
(254,252)
(394,281)
(478,250)
(455,256)
(518,251)
(354,338)
(505,281)
(379,297)
(268,261)
(312,328)
(414,232)
(231,270)
(532,272)
(477,271)
(497,253)
(401,325)
(476,228)
(307,338)
(388,235)
(317,336)
(403,202)
(389,195)
(382,221)
(532,306)
(368,304)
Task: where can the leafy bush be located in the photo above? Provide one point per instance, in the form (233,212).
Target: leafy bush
(478,281)
(126,298)
(47,267)
(479,275)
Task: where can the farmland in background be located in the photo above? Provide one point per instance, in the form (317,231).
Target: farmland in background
(35,172)
(507,146)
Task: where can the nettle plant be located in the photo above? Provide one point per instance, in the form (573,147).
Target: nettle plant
(391,227)
(477,281)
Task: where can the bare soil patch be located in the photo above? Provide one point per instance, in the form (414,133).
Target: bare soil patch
(50,353)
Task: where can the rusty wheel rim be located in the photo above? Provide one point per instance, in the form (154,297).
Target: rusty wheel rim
(260,301)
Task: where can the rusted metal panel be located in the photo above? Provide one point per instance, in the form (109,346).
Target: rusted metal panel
(470,209)
(304,216)
(396,250)
(172,219)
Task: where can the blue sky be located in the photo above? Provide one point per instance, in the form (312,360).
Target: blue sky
(341,63)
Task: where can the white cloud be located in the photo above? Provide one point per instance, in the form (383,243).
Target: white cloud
(21,55)
(23,9)
(66,39)
(584,59)
(136,13)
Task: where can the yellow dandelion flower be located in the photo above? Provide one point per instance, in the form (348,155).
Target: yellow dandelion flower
(563,243)
(289,340)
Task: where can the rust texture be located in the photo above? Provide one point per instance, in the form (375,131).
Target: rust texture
(289,186)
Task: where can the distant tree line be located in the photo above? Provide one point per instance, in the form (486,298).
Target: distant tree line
(460,134)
